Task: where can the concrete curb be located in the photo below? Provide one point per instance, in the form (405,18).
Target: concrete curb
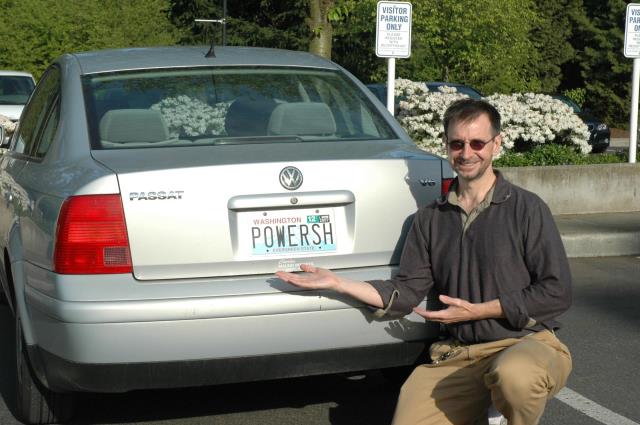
(603,245)
(600,235)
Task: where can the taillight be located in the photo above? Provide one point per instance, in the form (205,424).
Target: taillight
(91,237)
(446,184)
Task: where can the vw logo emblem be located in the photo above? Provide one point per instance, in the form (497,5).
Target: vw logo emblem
(290,178)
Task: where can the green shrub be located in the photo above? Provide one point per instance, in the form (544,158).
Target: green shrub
(578,95)
(553,154)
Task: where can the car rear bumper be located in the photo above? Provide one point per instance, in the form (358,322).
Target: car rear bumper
(65,376)
(119,345)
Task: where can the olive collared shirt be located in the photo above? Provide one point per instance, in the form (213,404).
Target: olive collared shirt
(467,219)
(510,251)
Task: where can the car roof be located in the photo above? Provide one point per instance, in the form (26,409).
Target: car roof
(192,56)
(462,88)
(442,83)
(9,73)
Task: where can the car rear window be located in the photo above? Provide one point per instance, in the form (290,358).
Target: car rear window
(183,107)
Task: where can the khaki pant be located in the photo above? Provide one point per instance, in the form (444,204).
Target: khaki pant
(517,374)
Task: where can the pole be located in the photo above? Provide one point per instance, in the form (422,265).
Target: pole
(224,22)
(391,84)
(633,130)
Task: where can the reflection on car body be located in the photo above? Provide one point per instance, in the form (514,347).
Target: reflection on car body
(158,213)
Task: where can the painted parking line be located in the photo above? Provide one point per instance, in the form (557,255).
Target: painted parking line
(592,409)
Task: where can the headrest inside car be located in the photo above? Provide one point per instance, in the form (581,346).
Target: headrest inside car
(248,116)
(133,126)
(302,119)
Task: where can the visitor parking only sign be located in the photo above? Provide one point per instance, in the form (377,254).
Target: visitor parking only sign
(393,30)
(632,31)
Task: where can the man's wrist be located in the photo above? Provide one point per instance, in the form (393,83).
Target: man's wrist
(488,310)
(340,286)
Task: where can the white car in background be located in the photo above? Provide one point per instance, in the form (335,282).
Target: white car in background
(15,90)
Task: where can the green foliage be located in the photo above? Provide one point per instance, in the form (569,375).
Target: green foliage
(34,32)
(262,23)
(341,10)
(553,154)
(506,46)
(578,95)
(492,51)
(550,35)
(355,40)
(599,65)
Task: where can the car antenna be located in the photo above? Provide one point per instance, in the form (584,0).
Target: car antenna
(211,53)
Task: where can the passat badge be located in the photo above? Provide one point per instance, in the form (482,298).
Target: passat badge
(290,178)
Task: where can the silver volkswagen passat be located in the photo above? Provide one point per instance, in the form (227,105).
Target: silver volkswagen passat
(150,194)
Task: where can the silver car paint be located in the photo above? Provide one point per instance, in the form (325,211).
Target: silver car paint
(163,248)
(78,317)
(256,315)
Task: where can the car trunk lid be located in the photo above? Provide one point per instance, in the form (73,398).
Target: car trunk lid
(189,215)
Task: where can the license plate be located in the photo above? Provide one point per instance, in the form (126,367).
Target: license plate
(288,232)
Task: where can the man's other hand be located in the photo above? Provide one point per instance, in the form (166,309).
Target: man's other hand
(459,310)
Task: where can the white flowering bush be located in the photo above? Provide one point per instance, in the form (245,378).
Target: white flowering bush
(535,119)
(187,116)
(420,113)
(527,119)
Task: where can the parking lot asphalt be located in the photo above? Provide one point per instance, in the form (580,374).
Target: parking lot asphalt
(601,329)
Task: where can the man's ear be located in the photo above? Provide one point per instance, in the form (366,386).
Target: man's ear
(497,144)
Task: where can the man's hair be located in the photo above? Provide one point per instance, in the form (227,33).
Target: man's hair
(465,110)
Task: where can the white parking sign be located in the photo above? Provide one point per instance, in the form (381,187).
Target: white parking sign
(393,30)
(632,31)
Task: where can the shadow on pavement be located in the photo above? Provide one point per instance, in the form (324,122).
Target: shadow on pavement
(368,400)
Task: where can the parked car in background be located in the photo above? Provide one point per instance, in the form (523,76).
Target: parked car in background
(15,89)
(434,86)
(149,195)
(600,133)
(380,89)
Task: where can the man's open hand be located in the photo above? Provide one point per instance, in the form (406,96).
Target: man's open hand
(313,278)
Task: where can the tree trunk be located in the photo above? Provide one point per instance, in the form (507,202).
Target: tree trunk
(320,27)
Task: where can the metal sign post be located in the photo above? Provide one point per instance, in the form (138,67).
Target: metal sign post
(393,40)
(633,127)
(632,50)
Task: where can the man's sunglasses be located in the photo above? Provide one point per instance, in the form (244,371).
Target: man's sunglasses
(475,144)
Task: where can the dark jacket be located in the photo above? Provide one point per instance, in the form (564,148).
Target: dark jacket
(511,251)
